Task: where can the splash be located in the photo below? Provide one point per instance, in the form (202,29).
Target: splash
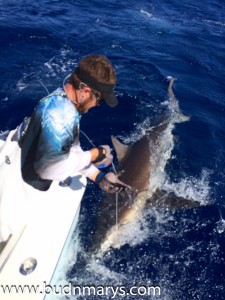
(55,68)
(162,152)
(220,225)
(95,266)
(21,85)
(150,15)
(192,188)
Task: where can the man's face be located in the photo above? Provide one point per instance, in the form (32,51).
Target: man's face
(87,101)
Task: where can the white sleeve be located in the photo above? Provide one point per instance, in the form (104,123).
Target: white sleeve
(76,160)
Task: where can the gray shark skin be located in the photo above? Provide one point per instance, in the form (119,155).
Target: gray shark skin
(134,169)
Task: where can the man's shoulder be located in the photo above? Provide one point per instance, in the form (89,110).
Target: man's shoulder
(57,105)
(54,100)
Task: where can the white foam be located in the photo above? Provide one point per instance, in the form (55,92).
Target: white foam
(193,188)
(21,85)
(150,15)
(60,64)
(56,67)
(215,22)
(220,226)
(162,152)
(135,232)
(95,266)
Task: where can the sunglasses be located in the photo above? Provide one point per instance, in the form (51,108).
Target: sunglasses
(98,96)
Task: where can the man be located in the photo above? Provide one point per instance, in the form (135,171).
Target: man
(49,144)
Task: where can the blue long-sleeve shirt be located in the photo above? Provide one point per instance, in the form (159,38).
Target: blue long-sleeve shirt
(50,147)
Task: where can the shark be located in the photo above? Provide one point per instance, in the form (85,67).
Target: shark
(136,165)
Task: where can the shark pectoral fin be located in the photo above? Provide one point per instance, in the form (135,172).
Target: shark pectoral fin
(167,200)
(120,148)
(184,118)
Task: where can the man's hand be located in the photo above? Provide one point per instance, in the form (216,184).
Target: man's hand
(110,183)
(104,158)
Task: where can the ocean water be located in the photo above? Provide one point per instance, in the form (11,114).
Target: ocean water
(182,251)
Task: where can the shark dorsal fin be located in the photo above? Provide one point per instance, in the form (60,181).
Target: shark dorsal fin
(120,148)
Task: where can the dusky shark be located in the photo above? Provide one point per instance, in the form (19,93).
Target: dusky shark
(135,169)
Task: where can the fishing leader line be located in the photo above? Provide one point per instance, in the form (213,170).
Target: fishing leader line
(114,169)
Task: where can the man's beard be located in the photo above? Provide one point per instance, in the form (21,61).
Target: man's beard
(82,106)
(81,109)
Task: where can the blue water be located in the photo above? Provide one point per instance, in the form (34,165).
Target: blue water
(41,42)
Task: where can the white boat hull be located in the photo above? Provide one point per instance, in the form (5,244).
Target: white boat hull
(38,224)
